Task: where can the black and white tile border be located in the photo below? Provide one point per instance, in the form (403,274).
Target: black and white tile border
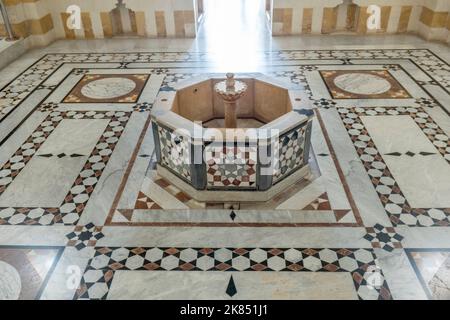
(392,198)
(74,203)
(360,263)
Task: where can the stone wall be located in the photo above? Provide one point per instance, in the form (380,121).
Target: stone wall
(428,18)
(42,21)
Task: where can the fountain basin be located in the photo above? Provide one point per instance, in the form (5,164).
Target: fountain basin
(265,154)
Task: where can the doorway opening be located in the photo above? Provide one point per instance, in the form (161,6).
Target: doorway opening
(233,30)
(233,22)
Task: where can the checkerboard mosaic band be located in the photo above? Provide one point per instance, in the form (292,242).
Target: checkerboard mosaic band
(75,201)
(361,263)
(291,153)
(175,152)
(389,192)
(231,166)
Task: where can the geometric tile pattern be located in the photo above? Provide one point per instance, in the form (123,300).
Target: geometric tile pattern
(84,236)
(144,202)
(436,68)
(321,203)
(426,103)
(143,107)
(136,82)
(383,237)
(231,166)
(289,153)
(171,80)
(11,97)
(395,91)
(361,263)
(392,198)
(175,152)
(75,201)
(296,77)
(324,103)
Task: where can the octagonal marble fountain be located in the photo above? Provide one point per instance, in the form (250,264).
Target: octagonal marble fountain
(231,140)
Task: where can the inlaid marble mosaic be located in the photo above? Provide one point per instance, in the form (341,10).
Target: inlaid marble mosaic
(388,190)
(85,236)
(364,84)
(296,77)
(385,238)
(432,267)
(25,270)
(171,79)
(231,166)
(102,88)
(18,89)
(434,66)
(360,263)
(98,277)
(175,152)
(291,153)
(75,201)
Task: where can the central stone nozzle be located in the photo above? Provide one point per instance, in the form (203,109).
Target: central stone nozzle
(230,91)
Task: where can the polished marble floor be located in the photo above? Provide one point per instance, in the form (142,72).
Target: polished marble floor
(84,215)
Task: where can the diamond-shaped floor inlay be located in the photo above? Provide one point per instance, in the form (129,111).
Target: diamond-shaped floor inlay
(231,288)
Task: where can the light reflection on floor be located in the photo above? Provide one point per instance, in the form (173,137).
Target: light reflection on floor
(234,30)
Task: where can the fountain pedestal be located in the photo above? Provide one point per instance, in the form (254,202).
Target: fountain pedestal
(230,91)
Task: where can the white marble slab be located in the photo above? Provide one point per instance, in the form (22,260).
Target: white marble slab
(74,136)
(424,180)
(43,183)
(249,285)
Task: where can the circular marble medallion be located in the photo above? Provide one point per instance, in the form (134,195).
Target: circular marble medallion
(108,88)
(362,83)
(10,283)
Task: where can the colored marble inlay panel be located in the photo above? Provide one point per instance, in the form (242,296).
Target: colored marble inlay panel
(175,152)
(368,278)
(393,199)
(24,271)
(375,84)
(120,88)
(231,166)
(75,201)
(432,267)
(290,153)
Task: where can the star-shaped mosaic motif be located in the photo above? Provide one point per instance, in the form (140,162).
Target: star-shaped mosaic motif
(84,236)
(385,238)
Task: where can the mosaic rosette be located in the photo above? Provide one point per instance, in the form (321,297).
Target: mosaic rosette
(231,166)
